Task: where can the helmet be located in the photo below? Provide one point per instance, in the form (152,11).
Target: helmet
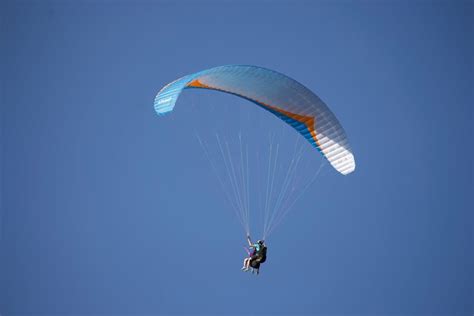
(260,242)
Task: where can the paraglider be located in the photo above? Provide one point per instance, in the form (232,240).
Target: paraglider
(288,100)
(257,255)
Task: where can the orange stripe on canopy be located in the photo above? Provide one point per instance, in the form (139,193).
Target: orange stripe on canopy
(198,84)
(308,121)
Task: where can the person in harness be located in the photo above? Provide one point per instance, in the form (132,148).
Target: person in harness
(257,254)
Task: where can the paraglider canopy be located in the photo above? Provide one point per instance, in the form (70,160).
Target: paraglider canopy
(280,95)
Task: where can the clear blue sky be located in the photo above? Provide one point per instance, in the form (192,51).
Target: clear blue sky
(108,209)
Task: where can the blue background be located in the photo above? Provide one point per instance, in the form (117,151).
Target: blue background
(108,209)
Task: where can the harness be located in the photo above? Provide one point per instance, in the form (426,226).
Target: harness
(262,254)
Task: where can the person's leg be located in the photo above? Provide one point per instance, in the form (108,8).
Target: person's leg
(246,264)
